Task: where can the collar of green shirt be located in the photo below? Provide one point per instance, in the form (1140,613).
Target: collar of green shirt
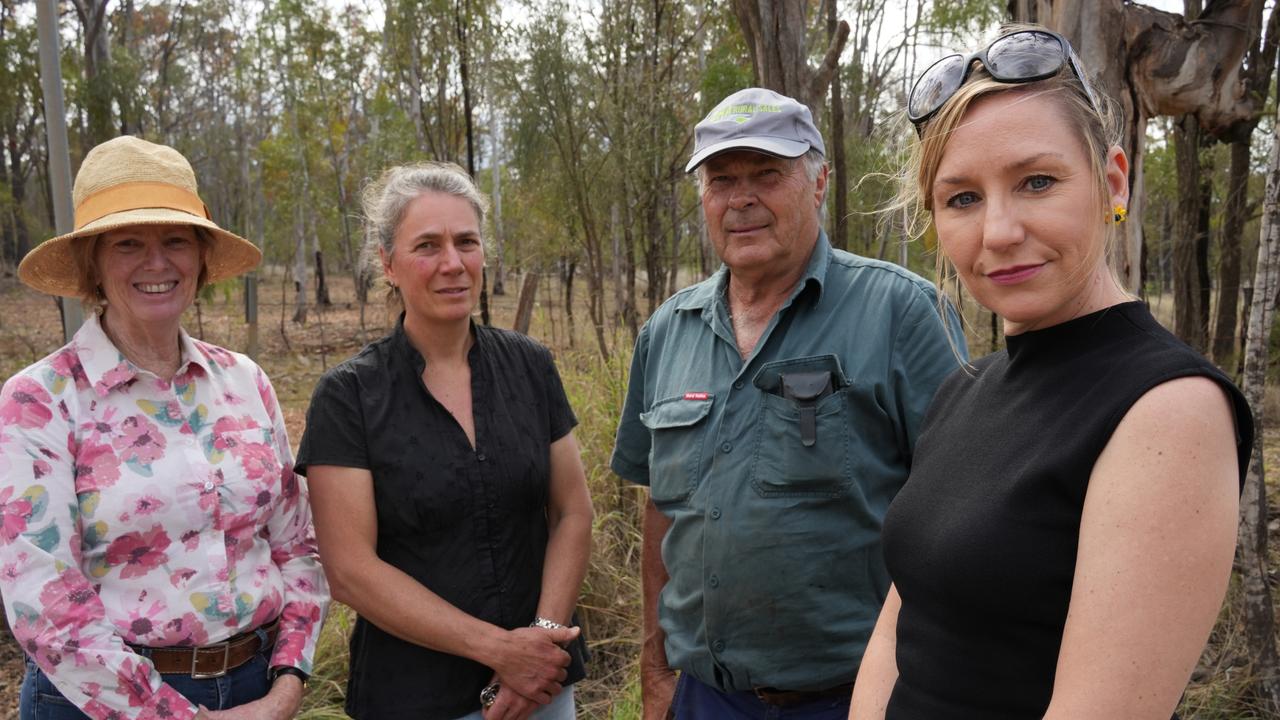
(705,295)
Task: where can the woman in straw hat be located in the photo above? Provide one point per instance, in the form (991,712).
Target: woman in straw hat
(156,550)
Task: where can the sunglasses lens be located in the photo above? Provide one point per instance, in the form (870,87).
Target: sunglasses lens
(1024,55)
(937,84)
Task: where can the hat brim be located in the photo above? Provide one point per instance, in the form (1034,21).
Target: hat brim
(50,266)
(770,146)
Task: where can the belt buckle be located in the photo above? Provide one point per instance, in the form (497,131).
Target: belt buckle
(195,658)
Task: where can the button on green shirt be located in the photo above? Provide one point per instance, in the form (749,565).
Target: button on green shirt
(776,571)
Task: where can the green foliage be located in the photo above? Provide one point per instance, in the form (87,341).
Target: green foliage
(728,67)
(963,19)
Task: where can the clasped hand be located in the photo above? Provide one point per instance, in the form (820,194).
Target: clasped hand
(530,665)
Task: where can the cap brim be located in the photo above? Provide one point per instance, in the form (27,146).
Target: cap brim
(50,266)
(770,146)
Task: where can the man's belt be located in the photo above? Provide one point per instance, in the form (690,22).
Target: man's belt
(788,698)
(211,661)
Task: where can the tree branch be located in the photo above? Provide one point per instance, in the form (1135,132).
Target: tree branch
(821,78)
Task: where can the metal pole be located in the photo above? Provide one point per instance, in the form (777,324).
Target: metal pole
(55,122)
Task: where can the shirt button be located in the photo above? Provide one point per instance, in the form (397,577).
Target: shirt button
(714,581)
(718,646)
(726,447)
(480,457)
(208,485)
(715,513)
(738,385)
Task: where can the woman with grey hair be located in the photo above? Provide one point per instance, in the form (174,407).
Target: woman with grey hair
(450,501)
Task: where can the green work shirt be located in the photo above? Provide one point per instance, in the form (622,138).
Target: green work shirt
(776,570)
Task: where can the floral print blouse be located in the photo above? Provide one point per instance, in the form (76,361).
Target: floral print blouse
(141,511)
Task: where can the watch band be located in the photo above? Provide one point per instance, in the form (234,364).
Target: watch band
(279,670)
(489,694)
(546,624)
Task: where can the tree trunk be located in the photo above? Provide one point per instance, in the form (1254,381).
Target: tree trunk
(1202,250)
(1259,612)
(567,268)
(775,34)
(18,188)
(615,266)
(524,307)
(299,267)
(128,39)
(654,263)
(839,224)
(7,251)
(1157,63)
(1224,335)
(97,70)
(1186,279)
(1259,69)
(499,237)
(629,313)
(677,236)
(322,287)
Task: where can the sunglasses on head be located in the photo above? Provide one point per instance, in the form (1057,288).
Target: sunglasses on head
(1020,57)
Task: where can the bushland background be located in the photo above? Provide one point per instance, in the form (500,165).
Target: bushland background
(576,117)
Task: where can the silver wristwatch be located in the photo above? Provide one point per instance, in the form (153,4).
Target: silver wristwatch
(489,694)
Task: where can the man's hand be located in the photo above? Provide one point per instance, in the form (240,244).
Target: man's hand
(657,690)
(280,703)
(531,662)
(657,679)
(510,705)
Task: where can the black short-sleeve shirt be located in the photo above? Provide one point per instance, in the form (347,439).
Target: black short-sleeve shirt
(468,523)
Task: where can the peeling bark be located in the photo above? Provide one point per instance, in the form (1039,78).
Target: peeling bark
(775,35)
(1260,624)
(1168,66)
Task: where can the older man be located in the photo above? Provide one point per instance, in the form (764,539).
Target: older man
(772,412)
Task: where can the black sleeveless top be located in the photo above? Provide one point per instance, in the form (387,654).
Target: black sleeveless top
(468,523)
(981,542)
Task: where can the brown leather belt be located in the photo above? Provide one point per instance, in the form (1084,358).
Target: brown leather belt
(788,698)
(211,661)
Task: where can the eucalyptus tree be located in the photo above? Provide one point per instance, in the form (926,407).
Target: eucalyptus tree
(557,139)
(1157,63)
(20,129)
(646,75)
(97,87)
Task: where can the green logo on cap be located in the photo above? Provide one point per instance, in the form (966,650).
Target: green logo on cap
(743,111)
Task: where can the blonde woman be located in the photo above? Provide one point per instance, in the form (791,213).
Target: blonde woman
(1064,541)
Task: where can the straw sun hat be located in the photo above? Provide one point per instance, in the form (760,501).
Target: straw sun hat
(127,181)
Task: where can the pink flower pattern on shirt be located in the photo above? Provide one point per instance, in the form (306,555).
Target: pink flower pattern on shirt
(13,515)
(135,510)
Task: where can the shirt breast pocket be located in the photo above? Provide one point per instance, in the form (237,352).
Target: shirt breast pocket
(677,429)
(804,435)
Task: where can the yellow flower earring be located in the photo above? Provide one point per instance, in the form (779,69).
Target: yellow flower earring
(1119,214)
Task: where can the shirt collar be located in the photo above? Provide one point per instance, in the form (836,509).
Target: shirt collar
(106,368)
(400,341)
(704,295)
